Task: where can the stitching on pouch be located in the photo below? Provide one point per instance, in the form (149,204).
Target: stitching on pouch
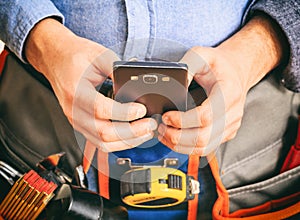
(266,184)
(253,156)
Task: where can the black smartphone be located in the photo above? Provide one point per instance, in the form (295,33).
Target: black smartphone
(160,86)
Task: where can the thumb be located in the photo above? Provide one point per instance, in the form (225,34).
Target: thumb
(196,63)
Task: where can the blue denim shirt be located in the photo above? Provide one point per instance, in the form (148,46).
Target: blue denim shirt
(162,29)
(179,24)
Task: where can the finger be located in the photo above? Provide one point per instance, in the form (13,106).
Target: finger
(84,118)
(194,150)
(193,137)
(108,131)
(123,130)
(125,144)
(102,107)
(181,149)
(122,144)
(197,117)
(106,108)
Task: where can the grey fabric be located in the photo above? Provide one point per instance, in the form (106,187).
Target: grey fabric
(261,192)
(263,139)
(287,14)
(250,163)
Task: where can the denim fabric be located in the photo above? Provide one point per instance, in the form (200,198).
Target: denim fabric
(157,29)
(19,17)
(287,15)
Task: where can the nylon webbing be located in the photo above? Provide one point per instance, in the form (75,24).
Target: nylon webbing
(193,167)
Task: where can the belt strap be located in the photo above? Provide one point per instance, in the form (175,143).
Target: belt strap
(102,166)
(103,174)
(193,167)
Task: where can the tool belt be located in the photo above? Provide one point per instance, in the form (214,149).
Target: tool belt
(33,126)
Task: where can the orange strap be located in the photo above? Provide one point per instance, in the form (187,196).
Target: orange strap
(103,173)
(221,206)
(193,167)
(268,206)
(281,214)
(88,154)
(102,166)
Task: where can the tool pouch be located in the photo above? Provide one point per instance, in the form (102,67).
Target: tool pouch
(249,177)
(32,123)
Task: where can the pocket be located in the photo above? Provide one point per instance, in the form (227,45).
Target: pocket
(8,146)
(270,195)
(274,198)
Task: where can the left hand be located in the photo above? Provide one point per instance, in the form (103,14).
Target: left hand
(202,129)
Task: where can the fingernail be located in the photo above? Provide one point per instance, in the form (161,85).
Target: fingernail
(140,112)
(160,129)
(166,119)
(153,125)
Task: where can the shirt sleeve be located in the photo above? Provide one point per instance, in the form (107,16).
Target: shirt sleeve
(287,14)
(18,17)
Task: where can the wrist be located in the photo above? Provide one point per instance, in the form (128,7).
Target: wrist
(256,49)
(45,43)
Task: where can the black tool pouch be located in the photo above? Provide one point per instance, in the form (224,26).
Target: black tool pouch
(32,123)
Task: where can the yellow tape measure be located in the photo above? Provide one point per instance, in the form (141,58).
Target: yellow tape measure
(157,187)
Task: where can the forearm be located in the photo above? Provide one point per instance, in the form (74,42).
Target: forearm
(287,15)
(256,49)
(50,46)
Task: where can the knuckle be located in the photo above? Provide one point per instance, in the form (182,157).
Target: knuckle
(207,118)
(105,111)
(174,139)
(231,136)
(136,132)
(201,142)
(69,116)
(204,118)
(197,151)
(105,135)
(238,125)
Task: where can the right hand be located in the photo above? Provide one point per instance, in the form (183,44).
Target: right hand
(74,66)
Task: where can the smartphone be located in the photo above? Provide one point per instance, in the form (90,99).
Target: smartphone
(160,86)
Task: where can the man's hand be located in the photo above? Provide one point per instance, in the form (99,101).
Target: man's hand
(75,66)
(226,72)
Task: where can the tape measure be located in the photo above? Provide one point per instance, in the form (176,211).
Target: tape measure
(157,187)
